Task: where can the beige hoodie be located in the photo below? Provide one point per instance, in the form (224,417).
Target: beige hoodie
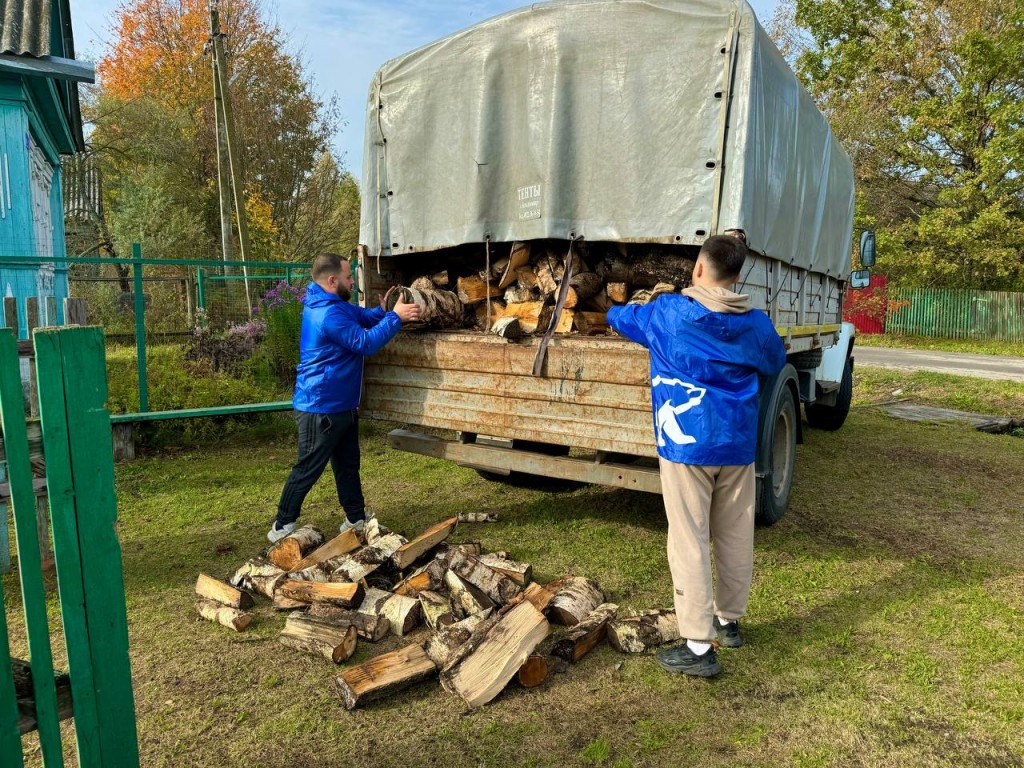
(719,299)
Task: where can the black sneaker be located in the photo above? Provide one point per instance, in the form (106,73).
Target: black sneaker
(729,633)
(684,661)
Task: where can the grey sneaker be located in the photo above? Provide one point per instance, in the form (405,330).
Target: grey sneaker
(277,533)
(728,633)
(684,661)
(359,525)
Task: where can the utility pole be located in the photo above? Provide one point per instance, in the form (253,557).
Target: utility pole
(225,121)
(222,181)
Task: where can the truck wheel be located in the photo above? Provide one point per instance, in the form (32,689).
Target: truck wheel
(806,361)
(831,417)
(777,454)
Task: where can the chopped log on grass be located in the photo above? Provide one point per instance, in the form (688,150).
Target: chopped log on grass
(437,610)
(582,286)
(290,550)
(585,636)
(439,565)
(637,634)
(368,626)
(217,590)
(539,668)
(497,586)
(474,548)
(282,603)
(538,596)
(259,575)
(334,643)
(492,656)
(232,618)
(477,517)
(341,544)
(442,644)
(403,613)
(419,580)
(345,594)
(518,259)
(507,328)
(466,599)
(617,292)
(592,323)
(365,561)
(520,573)
(472,290)
(383,675)
(407,554)
(575,601)
(527,312)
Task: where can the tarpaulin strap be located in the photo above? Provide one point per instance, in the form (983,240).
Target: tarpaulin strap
(563,292)
(487,283)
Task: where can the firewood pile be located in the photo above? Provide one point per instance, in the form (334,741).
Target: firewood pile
(476,620)
(518,294)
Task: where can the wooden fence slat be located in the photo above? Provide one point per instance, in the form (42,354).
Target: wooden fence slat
(11,314)
(75,312)
(60,492)
(19,470)
(92,475)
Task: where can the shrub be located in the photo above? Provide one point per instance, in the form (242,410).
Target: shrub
(281,310)
(227,352)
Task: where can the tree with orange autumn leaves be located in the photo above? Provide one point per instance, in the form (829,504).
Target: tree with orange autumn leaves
(153,133)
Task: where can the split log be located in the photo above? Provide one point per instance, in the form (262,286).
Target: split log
(526,277)
(549,272)
(256,568)
(484,320)
(439,565)
(565,320)
(592,323)
(507,328)
(517,294)
(474,548)
(617,292)
(477,517)
(423,283)
(369,627)
(290,550)
(403,613)
(582,286)
(465,598)
(419,581)
(407,554)
(538,596)
(492,656)
(472,290)
(527,312)
(232,618)
(520,573)
(365,561)
(647,269)
(440,279)
(438,308)
(344,594)
(497,586)
(383,675)
(539,668)
(444,643)
(637,634)
(218,591)
(518,259)
(282,603)
(341,544)
(336,644)
(575,601)
(583,637)
(437,610)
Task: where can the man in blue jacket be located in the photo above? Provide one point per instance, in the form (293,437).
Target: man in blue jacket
(708,346)
(336,335)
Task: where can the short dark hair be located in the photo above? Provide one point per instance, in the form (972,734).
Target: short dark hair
(725,254)
(326,264)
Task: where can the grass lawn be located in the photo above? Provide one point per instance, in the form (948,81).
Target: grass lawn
(883,627)
(979,346)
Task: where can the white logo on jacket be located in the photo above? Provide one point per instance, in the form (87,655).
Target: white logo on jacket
(668,424)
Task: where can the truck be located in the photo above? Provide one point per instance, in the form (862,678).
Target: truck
(622,127)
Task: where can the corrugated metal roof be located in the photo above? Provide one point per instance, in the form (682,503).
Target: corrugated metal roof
(26,28)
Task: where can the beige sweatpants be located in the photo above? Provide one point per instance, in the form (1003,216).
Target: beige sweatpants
(705,504)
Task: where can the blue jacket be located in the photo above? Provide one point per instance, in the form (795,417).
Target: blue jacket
(704,375)
(335,337)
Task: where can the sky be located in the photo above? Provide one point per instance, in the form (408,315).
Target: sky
(341,43)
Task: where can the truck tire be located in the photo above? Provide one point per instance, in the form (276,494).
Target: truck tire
(776,450)
(832,417)
(806,361)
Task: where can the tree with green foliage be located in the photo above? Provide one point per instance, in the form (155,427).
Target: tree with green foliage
(928,98)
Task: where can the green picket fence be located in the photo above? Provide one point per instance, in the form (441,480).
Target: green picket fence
(956,314)
(76,442)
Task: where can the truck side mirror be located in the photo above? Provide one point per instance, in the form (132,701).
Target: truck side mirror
(860,279)
(867,248)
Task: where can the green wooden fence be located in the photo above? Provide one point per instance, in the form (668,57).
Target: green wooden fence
(956,314)
(71,376)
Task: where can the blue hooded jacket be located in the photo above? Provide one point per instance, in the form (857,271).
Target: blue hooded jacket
(335,337)
(704,375)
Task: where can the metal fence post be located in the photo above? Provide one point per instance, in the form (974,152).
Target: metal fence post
(140,328)
(201,295)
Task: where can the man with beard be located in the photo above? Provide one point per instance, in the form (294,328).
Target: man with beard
(335,337)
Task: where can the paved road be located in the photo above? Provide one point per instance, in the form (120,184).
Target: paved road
(956,363)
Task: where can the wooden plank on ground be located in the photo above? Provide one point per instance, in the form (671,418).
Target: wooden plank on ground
(383,675)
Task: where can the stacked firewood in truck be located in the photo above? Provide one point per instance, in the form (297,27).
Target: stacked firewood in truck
(517,294)
(476,620)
